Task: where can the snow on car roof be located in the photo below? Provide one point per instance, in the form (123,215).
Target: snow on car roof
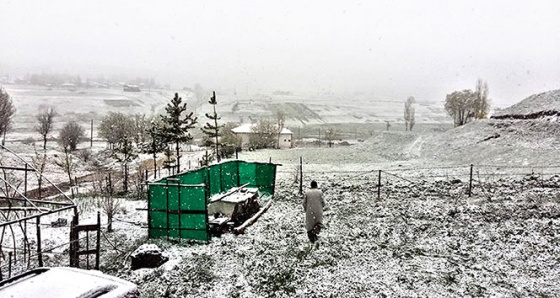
(67,282)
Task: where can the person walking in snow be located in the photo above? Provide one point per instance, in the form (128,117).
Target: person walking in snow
(313,204)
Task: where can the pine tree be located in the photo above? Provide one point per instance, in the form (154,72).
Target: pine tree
(157,142)
(212,130)
(176,126)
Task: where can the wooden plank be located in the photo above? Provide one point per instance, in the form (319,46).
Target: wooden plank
(241,229)
(81,228)
(26,169)
(231,191)
(38,201)
(87,252)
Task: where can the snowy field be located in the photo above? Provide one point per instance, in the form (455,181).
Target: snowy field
(418,240)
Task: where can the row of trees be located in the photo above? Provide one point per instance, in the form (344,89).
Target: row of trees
(465,105)
(121,131)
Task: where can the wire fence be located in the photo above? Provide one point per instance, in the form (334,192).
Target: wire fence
(45,242)
(489,180)
(31,243)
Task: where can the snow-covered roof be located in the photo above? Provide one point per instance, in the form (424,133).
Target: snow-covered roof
(247,128)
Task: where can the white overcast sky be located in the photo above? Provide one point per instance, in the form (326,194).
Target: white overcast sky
(391,49)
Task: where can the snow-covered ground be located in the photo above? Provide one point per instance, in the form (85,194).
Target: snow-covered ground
(423,237)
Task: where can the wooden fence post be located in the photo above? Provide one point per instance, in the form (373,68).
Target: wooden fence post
(39,250)
(379,185)
(9,264)
(470,180)
(301,175)
(98,244)
(167,206)
(74,245)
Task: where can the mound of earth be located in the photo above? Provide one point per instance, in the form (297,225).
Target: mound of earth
(542,105)
(514,142)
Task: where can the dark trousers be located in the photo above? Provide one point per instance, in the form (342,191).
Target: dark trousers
(312,236)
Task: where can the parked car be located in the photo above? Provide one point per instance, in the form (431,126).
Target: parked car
(65,282)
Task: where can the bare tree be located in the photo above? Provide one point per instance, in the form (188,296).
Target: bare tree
(39,161)
(482,102)
(263,135)
(109,203)
(124,155)
(409,114)
(70,136)
(139,181)
(330,136)
(140,125)
(115,126)
(230,141)
(459,105)
(156,143)
(7,111)
(66,162)
(464,106)
(44,125)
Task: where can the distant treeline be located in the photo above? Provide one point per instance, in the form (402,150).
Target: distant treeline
(56,80)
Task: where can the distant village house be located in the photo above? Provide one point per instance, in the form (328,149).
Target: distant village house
(245,130)
(131,88)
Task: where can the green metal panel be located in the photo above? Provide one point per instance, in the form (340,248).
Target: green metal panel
(193,177)
(193,198)
(158,198)
(265,178)
(180,211)
(215,175)
(247,173)
(230,175)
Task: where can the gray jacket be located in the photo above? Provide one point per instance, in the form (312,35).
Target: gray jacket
(313,203)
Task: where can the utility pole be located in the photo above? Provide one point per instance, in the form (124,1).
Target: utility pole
(91,135)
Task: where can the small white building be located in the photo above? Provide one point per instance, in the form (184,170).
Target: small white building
(245,130)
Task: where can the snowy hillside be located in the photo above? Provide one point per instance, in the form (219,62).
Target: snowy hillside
(315,109)
(82,105)
(546,101)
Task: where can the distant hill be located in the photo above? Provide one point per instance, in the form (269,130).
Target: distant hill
(546,104)
(328,108)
